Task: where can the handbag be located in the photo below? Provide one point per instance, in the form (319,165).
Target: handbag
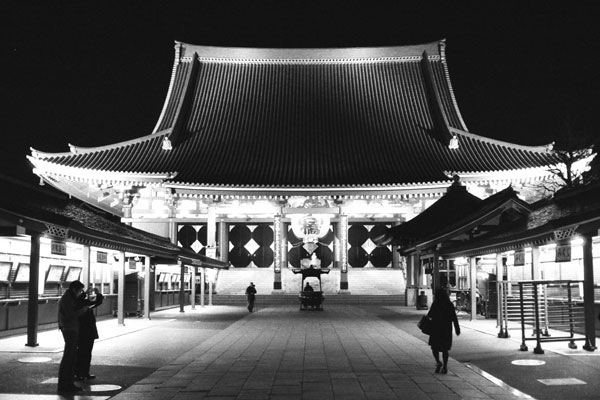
(425,325)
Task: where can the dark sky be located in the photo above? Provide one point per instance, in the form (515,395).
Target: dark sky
(96,72)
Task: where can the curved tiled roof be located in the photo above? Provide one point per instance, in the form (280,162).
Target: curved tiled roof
(307,117)
(34,207)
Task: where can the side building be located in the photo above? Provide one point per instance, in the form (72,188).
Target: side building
(266,158)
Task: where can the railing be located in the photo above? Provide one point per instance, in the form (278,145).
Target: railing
(542,305)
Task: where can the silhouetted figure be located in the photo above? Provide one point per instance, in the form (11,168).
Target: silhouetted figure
(88,332)
(250,296)
(69,312)
(308,288)
(443,316)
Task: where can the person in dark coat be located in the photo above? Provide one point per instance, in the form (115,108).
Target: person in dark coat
(251,296)
(88,332)
(69,311)
(443,316)
(308,288)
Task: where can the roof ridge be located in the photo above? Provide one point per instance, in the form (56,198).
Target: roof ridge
(273,53)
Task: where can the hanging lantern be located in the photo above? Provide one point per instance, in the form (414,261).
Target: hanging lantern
(309,227)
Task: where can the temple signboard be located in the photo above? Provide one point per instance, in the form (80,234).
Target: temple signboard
(563,253)
(519,258)
(58,248)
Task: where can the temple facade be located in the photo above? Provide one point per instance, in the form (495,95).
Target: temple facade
(275,160)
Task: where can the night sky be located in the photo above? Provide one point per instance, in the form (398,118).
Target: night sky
(96,72)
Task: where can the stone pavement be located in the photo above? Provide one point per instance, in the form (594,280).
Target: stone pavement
(343,352)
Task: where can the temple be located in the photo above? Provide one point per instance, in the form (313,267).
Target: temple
(264,158)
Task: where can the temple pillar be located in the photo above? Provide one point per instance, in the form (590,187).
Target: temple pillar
(85,264)
(588,295)
(343,239)
(147,279)
(34,278)
(536,271)
(181,286)
(211,227)
(121,289)
(473,284)
(223,241)
(412,284)
(277,245)
(193,287)
(202,285)
(436,272)
(172,207)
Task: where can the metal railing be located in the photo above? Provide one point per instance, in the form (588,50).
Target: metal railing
(541,305)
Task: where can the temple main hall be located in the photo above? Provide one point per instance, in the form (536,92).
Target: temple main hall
(275,160)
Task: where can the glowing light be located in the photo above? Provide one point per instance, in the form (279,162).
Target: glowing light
(309,227)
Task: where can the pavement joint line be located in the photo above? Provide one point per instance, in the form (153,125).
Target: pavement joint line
(498,382)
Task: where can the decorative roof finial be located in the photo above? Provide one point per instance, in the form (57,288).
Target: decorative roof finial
(453,142)
(166,144)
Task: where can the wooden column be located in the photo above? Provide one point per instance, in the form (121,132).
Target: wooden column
(34,278)
(436,273)
(121,289)
(343,237)
(223,241)
(211,226)
(85,263)
(147,279)
(193,287)
(536,270)
(202,284)
(181,286)
(210,292)
(473,284)
(588,294)
(499,278)
(277,228)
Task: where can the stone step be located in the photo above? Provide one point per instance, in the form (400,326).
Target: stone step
(361,282)
(287,299)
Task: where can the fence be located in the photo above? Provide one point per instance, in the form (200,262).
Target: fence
(541,306)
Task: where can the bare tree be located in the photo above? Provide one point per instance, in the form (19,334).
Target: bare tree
(574,147)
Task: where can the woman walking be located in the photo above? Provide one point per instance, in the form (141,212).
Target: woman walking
(443,316)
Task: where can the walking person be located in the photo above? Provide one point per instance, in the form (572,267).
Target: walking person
(88,332)
(69,311)
(251,296)
(443,316)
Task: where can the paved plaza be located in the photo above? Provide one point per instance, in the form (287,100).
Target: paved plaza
(341,353)
(279,352)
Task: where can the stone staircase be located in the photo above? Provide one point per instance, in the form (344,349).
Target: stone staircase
(292,299)
(365,286)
